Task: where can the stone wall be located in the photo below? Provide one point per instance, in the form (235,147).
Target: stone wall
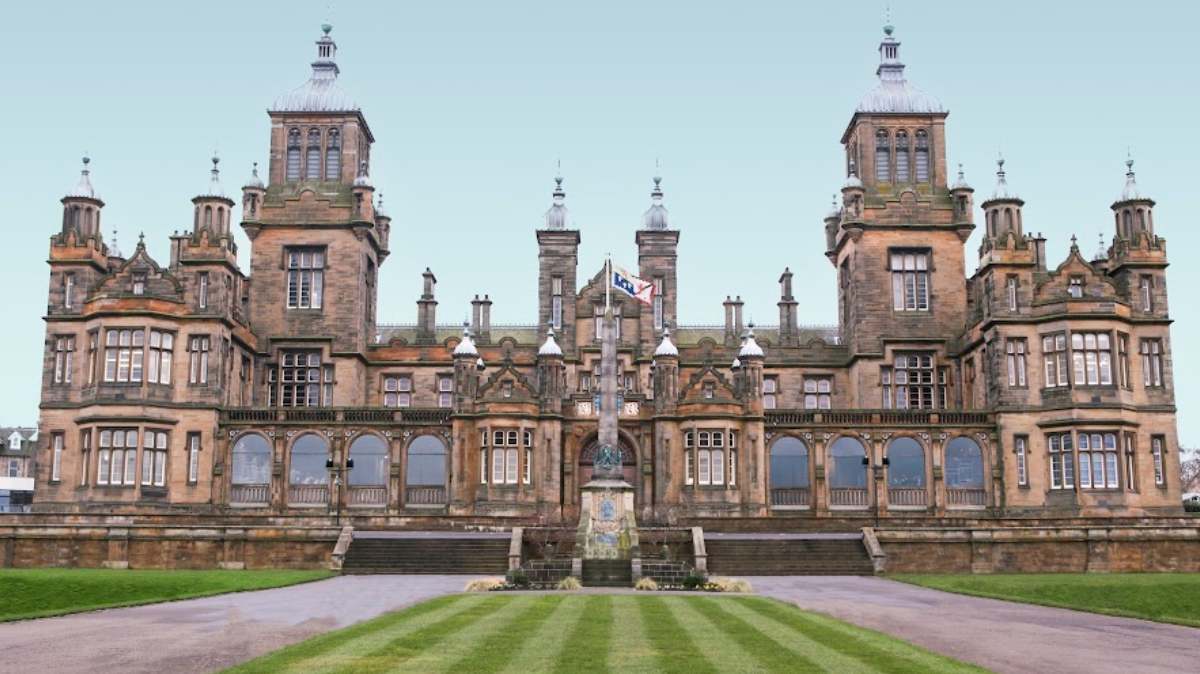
(165,547)
(1165,547)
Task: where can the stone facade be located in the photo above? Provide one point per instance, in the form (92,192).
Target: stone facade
(1021,391)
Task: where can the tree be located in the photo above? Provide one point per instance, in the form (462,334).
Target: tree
(1189,469)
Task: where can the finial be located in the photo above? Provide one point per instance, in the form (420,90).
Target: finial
(960,170)
(1074,244)
(1128,162)
(550,330)
(141,240)
(1000,163)
(657,177)
(888,28)
(558,178)
(86,160)
(853,168)
(254,171)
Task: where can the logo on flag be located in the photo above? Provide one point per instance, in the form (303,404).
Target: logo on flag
(639,289)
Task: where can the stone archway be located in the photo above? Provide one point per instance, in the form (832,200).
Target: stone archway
(587,460)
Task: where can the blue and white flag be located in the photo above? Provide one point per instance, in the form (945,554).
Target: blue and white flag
(639,289)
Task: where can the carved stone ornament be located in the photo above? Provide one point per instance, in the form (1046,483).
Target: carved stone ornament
(233,434)
(407,434)
(583,409)
(770,435)
(387,434)
(271,434)
(827,436)
(446,434)
(923,436)
(943,436)
(982,438)
(806,436)
(329,433)
(291,433)
(631,408)
(886,436)
(866,436)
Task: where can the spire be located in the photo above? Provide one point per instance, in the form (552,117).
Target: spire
(214,182)
(321,93)
(750,347)
(362,179)
(835,209)
(961,182)
(1002,191)
(254,182)
(467,346)
(852,180)
(1102,251)
(656,217)
(114,250)
(1131,192)
(894,93)
(556,217)
(666,347)
(550,347)
(84,189)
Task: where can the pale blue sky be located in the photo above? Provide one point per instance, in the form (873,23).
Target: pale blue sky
(472,103)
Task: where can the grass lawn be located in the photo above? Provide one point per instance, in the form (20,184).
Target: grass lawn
(1162,597)
(527,633)
(37,593)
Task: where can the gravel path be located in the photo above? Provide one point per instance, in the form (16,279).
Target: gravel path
(1005,637)
(206,635)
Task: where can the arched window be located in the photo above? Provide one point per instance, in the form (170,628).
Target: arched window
(312,156)
(902,173)
(906,464)
(208,217)
(221,224)
(426,462)
(995,224)
(369,453)
(293,155)
(922,156)
(1141,219)
(251,460)
(75,217)
(1128,225)
(87,220)
(333,155)
(309,454)
(883,157)
(846,461)
(1008,219)
(964,464)
(789,464)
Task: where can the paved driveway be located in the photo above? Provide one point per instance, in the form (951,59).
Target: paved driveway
(1003,636)
(206,635)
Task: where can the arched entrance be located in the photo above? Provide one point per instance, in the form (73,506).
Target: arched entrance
(587,461)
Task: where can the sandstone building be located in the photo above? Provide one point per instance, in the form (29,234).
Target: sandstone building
(1027,389)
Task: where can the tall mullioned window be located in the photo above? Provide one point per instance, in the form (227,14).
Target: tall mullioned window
(902,173)
(1015,353)
(305,278)
(1152,369)
(300,380)
(922,156)
(1091,353)
(154,458)
(159,354)
(883,157)
(333,155)
(913,382)
(556,301)
(312,156)
(293,155)
(910,280)
(397,391)
(64,358)
(1054,353)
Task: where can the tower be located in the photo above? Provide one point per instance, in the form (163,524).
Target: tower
(657,244)
(1139,257)
(558,260)
(318,237)
(78,256)
(898,230)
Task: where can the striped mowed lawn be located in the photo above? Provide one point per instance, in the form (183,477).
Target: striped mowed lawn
(571,633)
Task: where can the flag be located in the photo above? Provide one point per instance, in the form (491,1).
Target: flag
(639,289)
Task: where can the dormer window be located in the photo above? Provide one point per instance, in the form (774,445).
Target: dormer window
(139,284)
(1075,287)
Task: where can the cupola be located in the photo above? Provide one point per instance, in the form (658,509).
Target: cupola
(82,205)
(212,207)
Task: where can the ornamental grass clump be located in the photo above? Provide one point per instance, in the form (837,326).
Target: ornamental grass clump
(646,585)
(483,584)
(731,584)
(569,583)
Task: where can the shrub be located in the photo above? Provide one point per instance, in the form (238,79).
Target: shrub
(646,585)
(731,584)
(518,577)
(483,584)
(695,580)
(569,583)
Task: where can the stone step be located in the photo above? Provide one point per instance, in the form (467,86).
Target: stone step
(774,557)
(427,556)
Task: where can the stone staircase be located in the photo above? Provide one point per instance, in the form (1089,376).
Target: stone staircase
(607,573)
(788,555)
(427,553)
